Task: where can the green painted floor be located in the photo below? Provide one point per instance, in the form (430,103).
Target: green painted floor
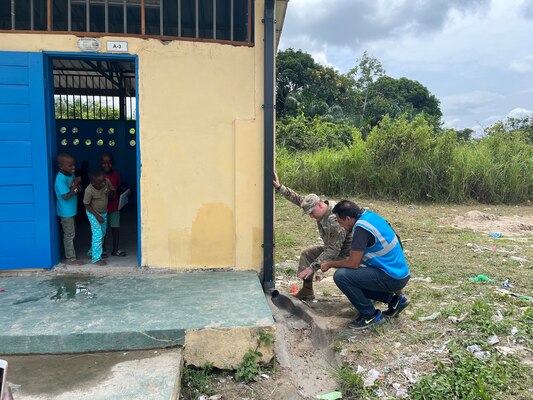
(79,313)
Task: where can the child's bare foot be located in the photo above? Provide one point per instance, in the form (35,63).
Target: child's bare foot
(74,262)
(100,262)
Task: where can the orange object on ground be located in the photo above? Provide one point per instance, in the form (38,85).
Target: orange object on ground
(294,288)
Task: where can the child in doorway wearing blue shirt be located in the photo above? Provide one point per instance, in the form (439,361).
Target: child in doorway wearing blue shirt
(66,188)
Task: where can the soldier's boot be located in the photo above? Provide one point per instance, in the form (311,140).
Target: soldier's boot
(306,293)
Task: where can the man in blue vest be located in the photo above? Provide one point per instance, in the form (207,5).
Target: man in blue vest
(376,268)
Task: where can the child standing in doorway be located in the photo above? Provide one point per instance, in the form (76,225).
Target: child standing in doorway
(66,188)
(96,199)
(113,213)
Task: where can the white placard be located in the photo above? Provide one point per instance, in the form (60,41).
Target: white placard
(123,200)
(118,46)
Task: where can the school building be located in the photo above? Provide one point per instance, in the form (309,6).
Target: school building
(181,92)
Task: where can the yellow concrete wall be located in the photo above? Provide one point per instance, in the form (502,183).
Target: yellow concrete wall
(201,145)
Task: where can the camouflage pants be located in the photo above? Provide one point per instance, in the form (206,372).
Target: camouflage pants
(309,255)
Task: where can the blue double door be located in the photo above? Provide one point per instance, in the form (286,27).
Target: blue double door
(26,203)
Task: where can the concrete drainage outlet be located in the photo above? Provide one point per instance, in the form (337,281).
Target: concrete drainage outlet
(303,347)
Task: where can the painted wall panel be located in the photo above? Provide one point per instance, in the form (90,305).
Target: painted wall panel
(16,212)
(16,230)
(24,184)
(14,94)
(10,194)
(13,75)
(15,154)
(15,131)
(16,176)
(14,113)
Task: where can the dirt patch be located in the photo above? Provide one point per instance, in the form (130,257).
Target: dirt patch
(513,226)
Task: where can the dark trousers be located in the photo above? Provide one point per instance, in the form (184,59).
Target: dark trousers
(367,283)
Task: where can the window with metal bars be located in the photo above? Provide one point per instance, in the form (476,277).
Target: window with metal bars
(221,20)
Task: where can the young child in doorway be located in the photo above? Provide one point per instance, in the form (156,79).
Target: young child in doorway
(66,188)
(96,197)
(113,213)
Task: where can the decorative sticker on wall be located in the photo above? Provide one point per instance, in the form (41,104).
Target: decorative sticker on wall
(111,143)
(132,131)
(88,142)
(76,142)
(132,143)
(100,142)
(99,130)
(63,129)
(64,142)
(111,131)
(74,130)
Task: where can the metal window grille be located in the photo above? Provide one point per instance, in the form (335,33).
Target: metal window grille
(229,20)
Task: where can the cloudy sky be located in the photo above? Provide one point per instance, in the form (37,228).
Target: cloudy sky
(476,56)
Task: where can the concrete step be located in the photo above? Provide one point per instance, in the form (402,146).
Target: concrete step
(146,375)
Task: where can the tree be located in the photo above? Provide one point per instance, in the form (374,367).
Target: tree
(400,96)
(294,71)
(362,76)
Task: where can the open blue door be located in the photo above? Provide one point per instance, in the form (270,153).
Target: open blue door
(25,199)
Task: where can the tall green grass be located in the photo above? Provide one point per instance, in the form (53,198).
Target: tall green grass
(407,161)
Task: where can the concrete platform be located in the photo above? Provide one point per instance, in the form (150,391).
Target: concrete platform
(146,374)
(55,314)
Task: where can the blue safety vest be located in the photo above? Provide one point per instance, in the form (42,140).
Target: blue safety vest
(386,253)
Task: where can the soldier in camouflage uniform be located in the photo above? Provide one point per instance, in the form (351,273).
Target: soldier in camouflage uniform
(336,240)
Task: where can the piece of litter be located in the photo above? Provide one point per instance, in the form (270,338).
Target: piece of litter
(2,291)
(411,375)
(401,392)
(481,278)
(380,392)
(474,348)
(360,369)
(519,259)
(419,278)
(514,330)
(496,235)
(371,377)
(265,376)
(498,317)
(458,319)
(477,352)
(493,340)
(506,284)
(330,396)
(504,350)
(431,317)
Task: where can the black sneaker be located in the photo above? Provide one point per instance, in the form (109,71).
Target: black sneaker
(363,323)
(396,306)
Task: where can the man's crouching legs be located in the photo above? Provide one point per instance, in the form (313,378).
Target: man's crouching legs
(307,257)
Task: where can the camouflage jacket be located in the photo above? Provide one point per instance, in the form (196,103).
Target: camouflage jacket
(337,240)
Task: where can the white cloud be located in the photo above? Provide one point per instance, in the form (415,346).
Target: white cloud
(523,66)
(471,101)
(519,113)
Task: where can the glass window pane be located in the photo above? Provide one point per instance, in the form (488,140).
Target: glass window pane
(59,15)
(22,15)
(188,21)
(205,14)
(151,15)
(134,19)
(79,23)
(116,18)
(5,14)
(97,16)
(170,17)
(40,22)
(223,20)
(240,29)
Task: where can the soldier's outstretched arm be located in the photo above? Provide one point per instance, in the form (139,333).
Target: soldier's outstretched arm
(288,193)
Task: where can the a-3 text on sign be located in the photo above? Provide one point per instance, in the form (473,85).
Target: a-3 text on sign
(118,46)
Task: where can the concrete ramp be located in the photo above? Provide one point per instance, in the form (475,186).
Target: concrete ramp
(81,313)
(147,375)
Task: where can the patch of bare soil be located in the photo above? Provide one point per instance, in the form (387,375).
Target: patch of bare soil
(304,362)
(512,226)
